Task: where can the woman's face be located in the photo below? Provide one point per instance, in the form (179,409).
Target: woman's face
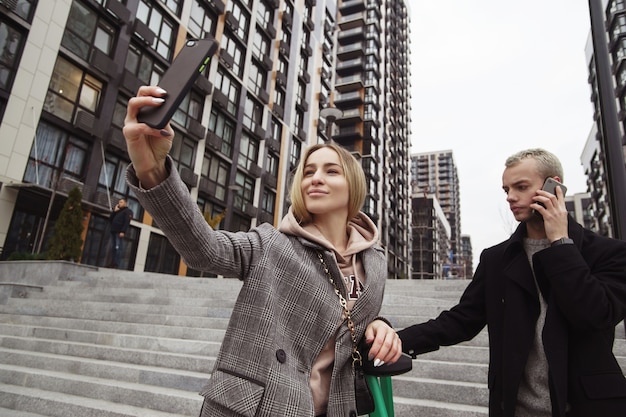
(324,185)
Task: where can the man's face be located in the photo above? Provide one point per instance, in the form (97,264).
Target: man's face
(520,183)
(122,203)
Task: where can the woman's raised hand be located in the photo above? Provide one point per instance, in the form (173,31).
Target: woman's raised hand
(147,147)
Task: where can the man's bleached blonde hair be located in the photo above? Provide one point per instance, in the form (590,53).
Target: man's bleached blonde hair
(547,163)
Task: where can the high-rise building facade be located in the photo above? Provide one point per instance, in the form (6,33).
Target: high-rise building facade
(372,91)
(70,67)
(436,173)
(605,151)
(431,238)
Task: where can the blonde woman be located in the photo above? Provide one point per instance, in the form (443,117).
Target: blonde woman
(287,350)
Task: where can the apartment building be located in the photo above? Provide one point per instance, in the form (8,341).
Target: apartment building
(605,151)
(70,67)
(435,172)
(431,238)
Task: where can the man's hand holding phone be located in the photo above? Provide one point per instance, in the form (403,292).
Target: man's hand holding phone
(551,207)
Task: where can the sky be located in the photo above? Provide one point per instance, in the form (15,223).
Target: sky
(490,78)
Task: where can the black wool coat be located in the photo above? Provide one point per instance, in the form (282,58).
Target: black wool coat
(586,300)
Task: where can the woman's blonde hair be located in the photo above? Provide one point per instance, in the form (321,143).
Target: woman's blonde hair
(355,177)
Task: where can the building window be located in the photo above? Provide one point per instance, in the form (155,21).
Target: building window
(71,90)
(236,50)
(189,109)
(245,195)
(264,14)
(296,151)
(240,223)
(174,5)
(271,164)
(163,26)
(301,93)
(243,20)
(268,202)
(257,78)
(248,151)
(85,30)
(298,122)
(201,21)
(252,114)
(279,97)
(11,46)
(112,183)
(260,45)
(223,128)
(183,150)
(161,256)
(25,9)
(229,87)
(143,66)
(54,155)
(216,172)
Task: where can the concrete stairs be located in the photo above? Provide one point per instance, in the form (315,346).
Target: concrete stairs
(83,341)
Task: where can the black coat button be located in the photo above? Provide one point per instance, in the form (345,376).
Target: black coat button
(352,413)
(281,356)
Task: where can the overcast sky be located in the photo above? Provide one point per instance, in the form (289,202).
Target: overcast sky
(490,78)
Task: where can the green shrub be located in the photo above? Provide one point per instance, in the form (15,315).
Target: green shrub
(66,242)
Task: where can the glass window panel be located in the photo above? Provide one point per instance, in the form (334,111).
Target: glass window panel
(103,41)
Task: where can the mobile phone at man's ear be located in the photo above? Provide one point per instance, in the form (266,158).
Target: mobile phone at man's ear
(178,79)
(550,186)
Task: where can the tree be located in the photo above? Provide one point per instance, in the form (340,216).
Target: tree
(214,221)
(66,242)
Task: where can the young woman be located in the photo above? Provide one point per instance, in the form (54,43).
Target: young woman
(288,349)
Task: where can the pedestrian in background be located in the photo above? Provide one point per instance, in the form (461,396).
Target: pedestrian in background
(119,222)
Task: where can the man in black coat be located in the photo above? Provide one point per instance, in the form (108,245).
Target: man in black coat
(550,296)
(120,221)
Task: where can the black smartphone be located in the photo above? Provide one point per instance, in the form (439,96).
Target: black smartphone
(550,186)
(178,79)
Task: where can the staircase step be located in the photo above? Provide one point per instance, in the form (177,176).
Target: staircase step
(441,390)
(161,344)
(53,307)
(132,356)
(141,374)
(206,298)
(35,400)
(5,412)
(116,316)
(137,395)
(213,332)
(412,407)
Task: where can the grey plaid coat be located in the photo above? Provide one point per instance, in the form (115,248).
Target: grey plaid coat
(285,313)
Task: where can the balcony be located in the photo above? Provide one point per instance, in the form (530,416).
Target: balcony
(351,51)
(346,37)
(348,134)
(349,99)
(351,7)
(351,66)
(351,116)
(349,83)
(352,21)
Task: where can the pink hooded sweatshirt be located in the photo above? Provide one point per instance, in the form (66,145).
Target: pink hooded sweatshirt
(362,234)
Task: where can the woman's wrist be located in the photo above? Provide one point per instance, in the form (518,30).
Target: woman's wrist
(152,178)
